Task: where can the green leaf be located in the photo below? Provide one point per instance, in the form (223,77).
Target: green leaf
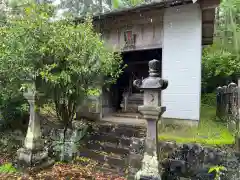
(115,4)
(217,169)
(65,61)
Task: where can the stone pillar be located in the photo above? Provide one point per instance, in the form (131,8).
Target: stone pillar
(33,153)
(151,111)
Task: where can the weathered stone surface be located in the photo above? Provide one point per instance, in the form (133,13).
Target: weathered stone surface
(151,111)
(33,154)
(120,130)
(117,146)
(150,168)
(194,161)
(92,154)
(179,161)
(61,148)
(108,148)
(29,158)
(135,160)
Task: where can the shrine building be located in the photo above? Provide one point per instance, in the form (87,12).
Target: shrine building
(173,32)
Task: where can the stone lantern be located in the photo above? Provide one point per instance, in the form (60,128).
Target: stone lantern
(151,111)
(33,154)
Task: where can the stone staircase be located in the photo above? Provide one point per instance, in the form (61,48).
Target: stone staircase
(116,148)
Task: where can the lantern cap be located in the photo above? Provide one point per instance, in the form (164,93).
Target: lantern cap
(153,81)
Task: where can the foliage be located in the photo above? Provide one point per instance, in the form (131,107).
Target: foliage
(3,8)
(17,3)
(218,170)
(209,99)
(7,168)
(12,109)
(81,8)
(13,105)
(222,59)
(63,58)
(82,159)
(93,92)
(126,3)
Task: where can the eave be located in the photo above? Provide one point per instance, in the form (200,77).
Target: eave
(207,6)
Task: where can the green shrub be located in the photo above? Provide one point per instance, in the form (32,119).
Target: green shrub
(7,168)
(12,109)
(209,99)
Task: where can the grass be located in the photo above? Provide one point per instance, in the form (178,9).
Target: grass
(208,132)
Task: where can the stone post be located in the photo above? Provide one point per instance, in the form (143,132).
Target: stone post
(151,111)
(33,153)
(220,104)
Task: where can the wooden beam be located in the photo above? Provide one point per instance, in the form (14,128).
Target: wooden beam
(207,41)
(209,4)
(208,22)
(207,37)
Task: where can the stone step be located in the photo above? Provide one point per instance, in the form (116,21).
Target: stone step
(129,115)
(104,160)
(109,144)
(109,125)
(121,130)
(107,147)
(114,163)
(112,124)
(109,137)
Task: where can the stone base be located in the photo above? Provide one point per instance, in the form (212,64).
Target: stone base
(149,178)
(46,164)
(28,158)
(150,168)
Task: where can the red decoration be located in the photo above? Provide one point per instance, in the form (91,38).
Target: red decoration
(129,38)
(129,35)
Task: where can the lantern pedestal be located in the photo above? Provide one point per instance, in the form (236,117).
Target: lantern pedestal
(33,154)
(151,111)
(150,163)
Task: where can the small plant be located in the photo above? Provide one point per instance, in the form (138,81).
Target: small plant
(60,162)
(7,168)
(218,170)
(82,159)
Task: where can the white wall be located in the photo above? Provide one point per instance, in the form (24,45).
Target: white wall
(181,63)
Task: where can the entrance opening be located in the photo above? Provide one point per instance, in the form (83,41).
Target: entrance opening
(137,68)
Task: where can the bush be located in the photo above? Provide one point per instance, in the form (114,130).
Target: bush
(7,168)
(209,99)
(12,109)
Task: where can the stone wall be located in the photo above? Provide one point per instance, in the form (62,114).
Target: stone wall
(193,161)
(178,161)
(65,148)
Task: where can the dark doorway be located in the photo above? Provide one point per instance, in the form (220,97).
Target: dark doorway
(137,68)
